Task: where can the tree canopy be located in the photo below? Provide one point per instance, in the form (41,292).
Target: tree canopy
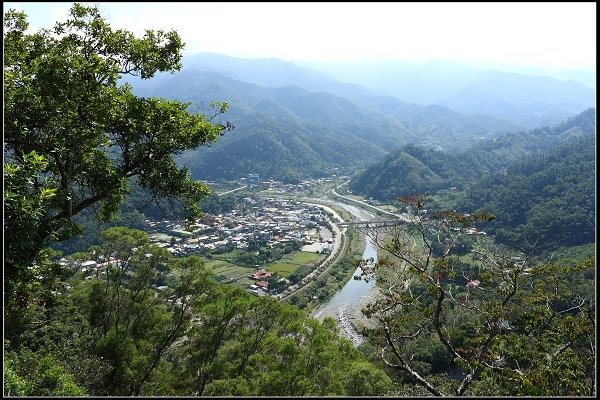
(117,330)
(457,313)
(74,137)
(490,320)
(74,141)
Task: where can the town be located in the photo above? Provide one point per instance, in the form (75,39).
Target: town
(243,246)
(272,222)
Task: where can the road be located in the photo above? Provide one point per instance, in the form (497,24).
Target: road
(340,235)
(231,191)
(333,256)
(403,217)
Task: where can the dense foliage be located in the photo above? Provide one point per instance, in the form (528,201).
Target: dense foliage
(539,183)
(488,322)
(140,322)
(548,198)
(118,333)
(458,313)
(73,137)
(419,169)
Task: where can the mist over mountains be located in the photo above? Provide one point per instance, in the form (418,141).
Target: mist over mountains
(293,121)
(522,95)
(527,101)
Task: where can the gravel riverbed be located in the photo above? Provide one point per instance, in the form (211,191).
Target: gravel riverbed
(349,316)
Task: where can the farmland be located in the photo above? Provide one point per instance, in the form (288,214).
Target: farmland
(226,271)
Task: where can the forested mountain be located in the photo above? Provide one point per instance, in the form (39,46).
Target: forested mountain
(307,123)
(539,183)
(419,169)
(548,197)
(526,101)
(291,132)
(281,132)
(438,126)
(128,317)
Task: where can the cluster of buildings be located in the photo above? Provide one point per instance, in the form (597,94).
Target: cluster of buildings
(266,221)
(260,280)
(277,187)
(271,222)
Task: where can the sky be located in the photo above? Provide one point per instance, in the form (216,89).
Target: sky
(547,35)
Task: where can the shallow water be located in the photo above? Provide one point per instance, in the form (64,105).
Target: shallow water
(344,302)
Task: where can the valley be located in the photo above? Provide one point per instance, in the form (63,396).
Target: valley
(299,223)
(181,222)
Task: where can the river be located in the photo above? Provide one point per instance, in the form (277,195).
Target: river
(345,305)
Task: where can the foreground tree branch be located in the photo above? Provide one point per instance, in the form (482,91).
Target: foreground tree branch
(500,316)
(63,104)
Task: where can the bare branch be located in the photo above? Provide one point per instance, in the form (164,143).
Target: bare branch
(404,365)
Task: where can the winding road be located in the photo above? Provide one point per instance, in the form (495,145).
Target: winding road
(333,256)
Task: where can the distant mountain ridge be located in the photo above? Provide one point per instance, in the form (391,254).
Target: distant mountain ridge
(309,133)
(530,100)
(526,101)
(421,83)
(272,72)
(428,122)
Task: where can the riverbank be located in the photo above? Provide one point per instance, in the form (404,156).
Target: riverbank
(355,315)
(349,317)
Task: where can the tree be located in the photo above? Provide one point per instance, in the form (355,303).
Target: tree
(220,320)
(27,195)
(508,323)
(110,332)
(364,379)
(117,333)
(134,323)
(77,137)
(256,346)
(276,283)
(41,376)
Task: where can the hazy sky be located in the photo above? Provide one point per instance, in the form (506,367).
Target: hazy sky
(552,36)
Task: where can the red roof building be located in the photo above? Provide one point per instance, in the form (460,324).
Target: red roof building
(261,274)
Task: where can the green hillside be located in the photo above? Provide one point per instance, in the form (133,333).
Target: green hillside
(289,131)
(539,184)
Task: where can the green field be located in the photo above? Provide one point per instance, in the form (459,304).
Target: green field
(283,269)
(225,270)
(288,265)
(304,257)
